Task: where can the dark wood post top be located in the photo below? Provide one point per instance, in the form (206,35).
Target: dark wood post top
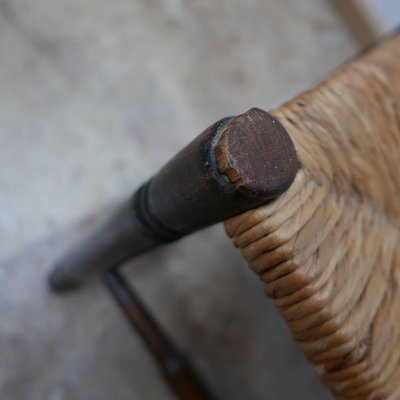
(257,155)
(236,164)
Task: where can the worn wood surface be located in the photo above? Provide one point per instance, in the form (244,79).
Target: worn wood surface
(194,190)
(257,155)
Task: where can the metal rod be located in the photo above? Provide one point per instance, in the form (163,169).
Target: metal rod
(179,374)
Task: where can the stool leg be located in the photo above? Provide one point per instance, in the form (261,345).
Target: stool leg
(120,238)
(179,374)
(235,165)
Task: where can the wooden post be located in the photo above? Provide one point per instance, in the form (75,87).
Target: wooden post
(235,165)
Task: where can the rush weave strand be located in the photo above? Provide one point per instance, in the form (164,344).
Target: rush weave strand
(328,250)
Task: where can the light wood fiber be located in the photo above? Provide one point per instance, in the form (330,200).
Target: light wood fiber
(328,249)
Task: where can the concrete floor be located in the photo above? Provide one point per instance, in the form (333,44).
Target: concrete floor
(94,98)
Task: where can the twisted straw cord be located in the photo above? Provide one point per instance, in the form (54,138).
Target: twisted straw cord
(327,250)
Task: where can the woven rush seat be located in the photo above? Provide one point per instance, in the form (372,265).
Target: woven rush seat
(328,249)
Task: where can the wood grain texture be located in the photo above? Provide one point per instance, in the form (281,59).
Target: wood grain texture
(257,155)
(327,250)
(236,164)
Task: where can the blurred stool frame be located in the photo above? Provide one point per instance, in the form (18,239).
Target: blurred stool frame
(309,193)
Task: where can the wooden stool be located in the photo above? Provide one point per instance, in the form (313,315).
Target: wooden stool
(309,193)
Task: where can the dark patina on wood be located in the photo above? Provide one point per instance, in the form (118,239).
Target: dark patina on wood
(236,164)
(256,155)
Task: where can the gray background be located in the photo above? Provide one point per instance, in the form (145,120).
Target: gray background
(94,97)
